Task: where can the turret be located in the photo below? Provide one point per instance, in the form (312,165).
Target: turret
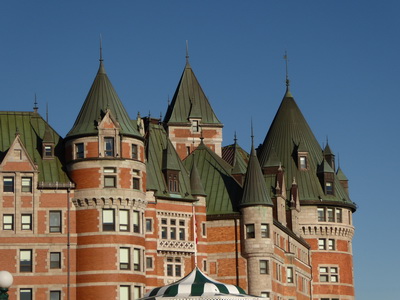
(105,158)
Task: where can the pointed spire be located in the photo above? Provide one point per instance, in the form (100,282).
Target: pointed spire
(35,107)
(47,112)
(285,57)
(187,52)
(195,183)
(101,48)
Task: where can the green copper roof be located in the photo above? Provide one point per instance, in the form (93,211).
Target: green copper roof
(325,167)
(101,96)
(157,144)
(235,156)
(288,132)
(195,182)
(340,175)
(223,191)
(33,131)
(254,188)
(190,101)
(170,160)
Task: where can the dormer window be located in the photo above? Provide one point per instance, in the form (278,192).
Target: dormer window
(173,182)
(195,126)
(303,162)
(109,147)
(329,188)
(48,151)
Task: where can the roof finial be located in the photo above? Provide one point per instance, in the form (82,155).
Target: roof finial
(235,138)
(187,51)
(285,57)
(47,112)
(35,107)
(101,48)
(252,133)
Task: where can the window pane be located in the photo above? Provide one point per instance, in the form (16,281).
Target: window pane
(79,150)
(124,260)
(149,262)
(136,259)
(8,184)
(181,234)
(55,260)
(338,215)
(108,146)
(26,184)
(136,221)
(25,261)
(124,292)
(108,220)
(109,181)
(321,214)
(55,295)
(134,151)
(25,294)
(264,230)
(250,231)
(149,225)
(8,222)
(136,183)
(137,292)
(173,233)
(55,221)
(26,222)
(124,220)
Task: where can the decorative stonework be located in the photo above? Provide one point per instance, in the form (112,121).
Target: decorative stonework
(330,230)
(105,202)
(175,246)
(174,214)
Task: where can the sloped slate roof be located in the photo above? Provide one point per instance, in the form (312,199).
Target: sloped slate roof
(101,96)
(197,285)
(223,191)
(157,143)
(288,132)
(254,189)
(32,129)
(189,101)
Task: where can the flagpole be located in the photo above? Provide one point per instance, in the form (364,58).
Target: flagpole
(194,236)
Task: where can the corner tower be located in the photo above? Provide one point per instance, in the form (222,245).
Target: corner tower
(190,117)
(325,217)
(105,158)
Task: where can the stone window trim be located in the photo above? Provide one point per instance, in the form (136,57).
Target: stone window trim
(328,274)
(264,266)
(26,184)
(330,214)
(55,221)
(302,162)
(174,266)
(174,229)
(25,260)
(55,295)
(79,150)
(124,258)
(8,184)
(250,231)
(326,244)
(26,221)
(8,222)
(125,292)
(48,151)
(110,177)
(25,293)
(149,225)
(149,263)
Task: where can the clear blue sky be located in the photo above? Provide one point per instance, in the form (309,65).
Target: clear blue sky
(343,64)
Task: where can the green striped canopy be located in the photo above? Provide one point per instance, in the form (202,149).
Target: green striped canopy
(197,285)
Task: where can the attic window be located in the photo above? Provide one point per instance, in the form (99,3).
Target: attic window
(48,151)
(173,182)
(195,126)
(329,188)
(108,146)
(303,162)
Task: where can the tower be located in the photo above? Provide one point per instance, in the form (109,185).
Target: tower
(105,158)
(325,216)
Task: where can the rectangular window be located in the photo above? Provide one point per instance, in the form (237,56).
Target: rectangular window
(174,267)
(8,222)
(136,259)
(265,294)
(303,162)
(136,221)
(79,150)
(173,182)
(8,184)
(55,260)
(26,222)
(172,233)
(137,292)
(55,221)
(329,188)
(321,214)
(26,184)
(164,233)
(108,220)
(331,244)
(124,220)
(328,274)
(136,183)
(125,292)
(204,229)
(181,234)
(55,295)
(110,179)
(321,244)
(149,225)
(250,234)
(48,151)
(25,294)
(108,146)
(331,216)
(134,151)
(124,259)
(25,260)
(338,215)
(264,230)
(264,268)
(149,263)
(289,274)
(195,126)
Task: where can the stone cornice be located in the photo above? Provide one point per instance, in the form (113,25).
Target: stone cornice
(109,202)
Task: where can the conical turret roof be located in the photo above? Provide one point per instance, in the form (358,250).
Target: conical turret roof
(289,131)
(189,101)
(101,96)
(254,189)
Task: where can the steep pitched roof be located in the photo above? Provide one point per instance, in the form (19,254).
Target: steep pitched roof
(195,182)
(289,131)
(237,157)
(32,131)
(254,188)
(101,96)
(223,191)
(189,101)
(157,144)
